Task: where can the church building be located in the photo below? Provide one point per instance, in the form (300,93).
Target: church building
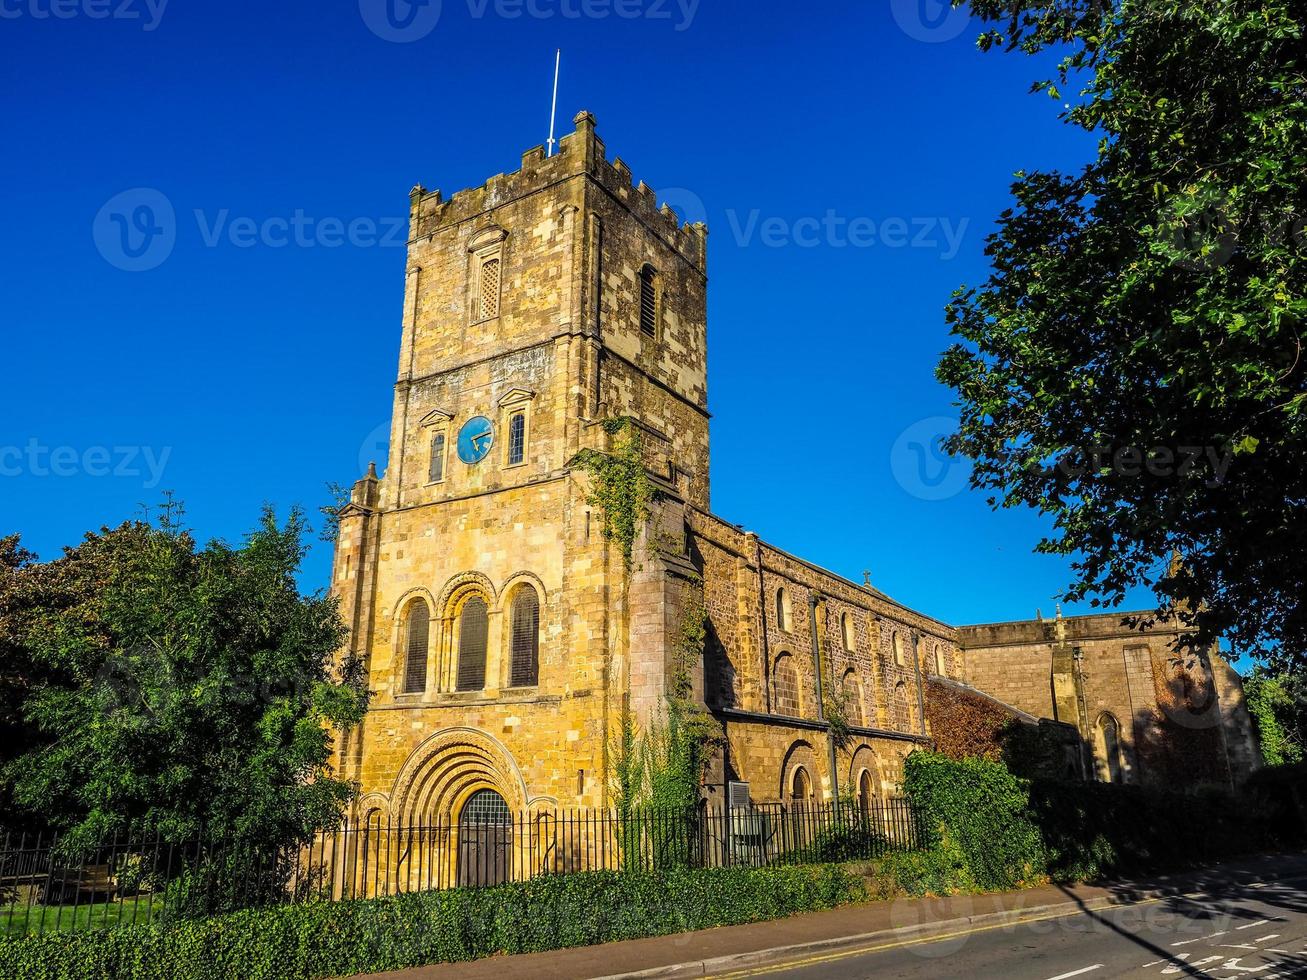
(504,633)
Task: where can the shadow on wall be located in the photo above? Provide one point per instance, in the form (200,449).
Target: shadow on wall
(1178,742)
(967,723)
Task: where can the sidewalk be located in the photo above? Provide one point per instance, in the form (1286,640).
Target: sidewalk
(731,947)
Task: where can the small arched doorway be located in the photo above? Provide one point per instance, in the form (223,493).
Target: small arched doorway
(865,795)
(485,839)
(800,787)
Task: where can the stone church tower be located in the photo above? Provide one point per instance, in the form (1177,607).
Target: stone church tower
(498,625)
(504,634)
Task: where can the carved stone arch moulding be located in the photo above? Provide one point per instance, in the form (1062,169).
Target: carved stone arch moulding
(367,806)
(864,757)
(460,585)
(520,578)
(799,754)
(447,768)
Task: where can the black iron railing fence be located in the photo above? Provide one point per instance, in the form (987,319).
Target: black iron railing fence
(45,886)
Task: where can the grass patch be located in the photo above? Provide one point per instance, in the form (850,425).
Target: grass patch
(18,920)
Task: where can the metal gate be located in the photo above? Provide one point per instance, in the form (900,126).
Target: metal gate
(485,838)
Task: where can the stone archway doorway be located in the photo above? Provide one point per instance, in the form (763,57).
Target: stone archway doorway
(485,839)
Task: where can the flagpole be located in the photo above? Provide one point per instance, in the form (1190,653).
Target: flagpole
(553,111)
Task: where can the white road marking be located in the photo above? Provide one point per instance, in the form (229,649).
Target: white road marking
(1076,973)
(1267,939)
(1187,942)
(1251,925)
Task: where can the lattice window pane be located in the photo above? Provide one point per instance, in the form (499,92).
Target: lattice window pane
(516,439)
(417,635)
(485,806)
(648,303)
(490,288)
(526,638)
(437,472)
(473,627)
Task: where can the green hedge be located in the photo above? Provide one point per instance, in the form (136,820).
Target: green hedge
(986,829)
(1096,829)
(298,942)
(977,814)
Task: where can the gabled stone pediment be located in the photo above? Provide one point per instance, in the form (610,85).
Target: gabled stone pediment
(435,417)
(515,395)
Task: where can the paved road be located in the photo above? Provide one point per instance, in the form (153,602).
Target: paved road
(1256,931)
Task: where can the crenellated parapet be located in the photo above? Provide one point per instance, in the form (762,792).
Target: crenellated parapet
(581,152)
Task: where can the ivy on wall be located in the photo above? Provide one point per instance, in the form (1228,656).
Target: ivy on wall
(663,766)
(621,487)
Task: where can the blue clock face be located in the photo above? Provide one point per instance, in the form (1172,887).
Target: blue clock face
(475,439)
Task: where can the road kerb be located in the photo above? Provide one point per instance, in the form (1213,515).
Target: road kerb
(780,954)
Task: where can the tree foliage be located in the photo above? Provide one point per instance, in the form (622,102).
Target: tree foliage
(171,689)
(1278,704)
(1133,366)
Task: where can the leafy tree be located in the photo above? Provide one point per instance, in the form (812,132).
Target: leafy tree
(177,690)
(1133,367)
(1278,703)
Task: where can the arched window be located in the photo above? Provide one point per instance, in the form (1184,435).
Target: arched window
(846,630)
(1109,749)
(800,785)
(516,438)
(649,301)
(526,638)
(941,668)
(782,610)
(786,680)
(473,624)
(900,649)
(417,636)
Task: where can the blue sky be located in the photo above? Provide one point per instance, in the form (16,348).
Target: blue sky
(849,159)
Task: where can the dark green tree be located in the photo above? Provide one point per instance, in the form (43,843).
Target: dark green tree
(1133,367)
(177,690)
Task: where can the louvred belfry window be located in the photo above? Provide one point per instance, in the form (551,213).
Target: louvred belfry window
(490,276)
(472,630)
(526,638)
(417,631)
(648,302)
